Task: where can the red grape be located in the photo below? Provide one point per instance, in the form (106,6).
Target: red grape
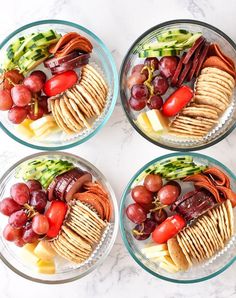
(17,114)
(11,234)
(38,200)
(20,193)
(43,103)
(9,206)
(168,194)
(29,236)
(21,95)
(33,116)
(33,185)
(139,69)
(18,219)
(40,224)
(142,231)
(40,74)
(153,182)
(6,101)
(140,92)
(136,213)
(155,102)
(147,207)
(159,216)
(152,62)
(160,85)
(137,105)
(168,66)
(141,195)
(33,83)
(19,242)
(172,182)
(135,79)
(11,77)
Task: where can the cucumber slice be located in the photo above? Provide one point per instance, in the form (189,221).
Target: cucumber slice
(190,41)
(182,173)
(159,45)
(174,34)
(159,53)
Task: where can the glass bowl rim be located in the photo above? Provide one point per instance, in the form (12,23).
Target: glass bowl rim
(123,99)
(122,203)
(115,89)
(116,217)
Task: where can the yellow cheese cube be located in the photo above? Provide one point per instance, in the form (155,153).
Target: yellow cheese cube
(27,253)
(144,123)
(169,267)
(46,267)
(41,122)
(44,251)
(155,251)
(158,122)
(40,131)
(26,132)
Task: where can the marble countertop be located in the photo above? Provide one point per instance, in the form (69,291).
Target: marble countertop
(118,24)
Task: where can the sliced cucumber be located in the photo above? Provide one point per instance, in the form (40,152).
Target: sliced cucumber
(159,45)
(36,44)
(190,41)
(182,173)
(174,34)
(159,53)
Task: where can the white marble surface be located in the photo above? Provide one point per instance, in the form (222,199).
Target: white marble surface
(118,24)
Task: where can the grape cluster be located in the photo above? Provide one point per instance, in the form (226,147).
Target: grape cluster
(150,199)
(140,93)
(25,208)
(24,99)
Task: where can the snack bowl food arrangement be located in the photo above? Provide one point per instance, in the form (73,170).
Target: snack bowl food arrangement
(177,85)
(59,217)
(177,217)
(45,113)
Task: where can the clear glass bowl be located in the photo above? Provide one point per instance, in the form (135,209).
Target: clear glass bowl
(66,271)
(228,120)
(212,267)
(101,58)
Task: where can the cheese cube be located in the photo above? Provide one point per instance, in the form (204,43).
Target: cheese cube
(158,122)
(144,123)
(46,267)
(44,251)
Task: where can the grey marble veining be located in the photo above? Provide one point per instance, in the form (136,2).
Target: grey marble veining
(118,24)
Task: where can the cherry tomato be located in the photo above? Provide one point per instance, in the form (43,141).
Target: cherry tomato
(153,182)
(60,83)
(55,214)
(168,229)
(177,101)
(168,194)
(141,195)
(136,213)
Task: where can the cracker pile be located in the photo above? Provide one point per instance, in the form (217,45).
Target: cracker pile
(80,232)
(213,92)
(209,234)
(74,109)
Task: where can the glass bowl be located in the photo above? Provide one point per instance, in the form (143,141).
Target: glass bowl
(66,271)
(201,272)
(101,58)
(227,122)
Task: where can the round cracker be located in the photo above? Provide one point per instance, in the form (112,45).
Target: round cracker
(215,79)
(219,72)
(68,116)
(182,246)
(176,254)
(58,113)
(215,86)
(211,101)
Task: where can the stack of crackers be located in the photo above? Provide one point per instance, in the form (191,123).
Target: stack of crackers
(80,232)
(213,92)
(78,106)
(205,237)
